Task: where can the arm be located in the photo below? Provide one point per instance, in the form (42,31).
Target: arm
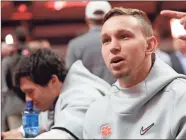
(13,134)
(70,117)
(176,14)
(54,134)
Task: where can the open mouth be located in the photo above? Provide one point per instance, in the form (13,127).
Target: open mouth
(117,60)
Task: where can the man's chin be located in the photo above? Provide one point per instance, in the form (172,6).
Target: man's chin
(43,110)
(125,78)
(37,109)
(119,75)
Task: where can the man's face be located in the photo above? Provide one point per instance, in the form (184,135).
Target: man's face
(123,45)
(42,96)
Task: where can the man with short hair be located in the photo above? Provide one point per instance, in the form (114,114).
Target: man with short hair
(87,47)
(148,99)
(63,98)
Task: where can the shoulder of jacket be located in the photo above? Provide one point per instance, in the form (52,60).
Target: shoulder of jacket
(99,103)
(78,39)
(177,86)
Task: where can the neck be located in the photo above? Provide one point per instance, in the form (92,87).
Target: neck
(55,97)
(59,88)
(138,75)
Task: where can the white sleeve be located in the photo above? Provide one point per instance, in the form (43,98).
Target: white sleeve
(54,134)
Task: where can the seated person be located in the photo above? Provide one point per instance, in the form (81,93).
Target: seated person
(63,98)
(149,98)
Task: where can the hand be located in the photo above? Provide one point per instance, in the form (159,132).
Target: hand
(176,14)
(13,134)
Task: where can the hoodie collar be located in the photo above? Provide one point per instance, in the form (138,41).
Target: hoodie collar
(159,76)
(135,97)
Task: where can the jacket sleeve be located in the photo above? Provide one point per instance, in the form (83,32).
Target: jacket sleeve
(54,134)
(73,110)
(179,118)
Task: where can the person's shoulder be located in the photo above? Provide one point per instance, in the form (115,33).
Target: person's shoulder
(9,59)
(178,87)
(78,39)
(98,105)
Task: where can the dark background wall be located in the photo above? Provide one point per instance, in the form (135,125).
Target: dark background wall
(44,22)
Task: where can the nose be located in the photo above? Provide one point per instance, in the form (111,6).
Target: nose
(28,97)
(115,47)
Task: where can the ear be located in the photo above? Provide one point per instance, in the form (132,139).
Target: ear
(54,80)
(152,44)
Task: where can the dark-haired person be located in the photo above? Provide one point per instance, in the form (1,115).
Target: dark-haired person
(149,98)
(87,47)
(62,98)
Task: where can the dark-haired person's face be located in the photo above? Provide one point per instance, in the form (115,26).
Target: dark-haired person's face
(123,45)
(42,96)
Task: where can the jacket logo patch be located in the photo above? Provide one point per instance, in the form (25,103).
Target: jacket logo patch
(143,131)
(106,131)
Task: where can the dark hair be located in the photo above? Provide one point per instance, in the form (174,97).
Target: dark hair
(138,14)
(40,66)
(21,34)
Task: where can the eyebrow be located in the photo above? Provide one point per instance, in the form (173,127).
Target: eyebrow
(118,32)
(124,31)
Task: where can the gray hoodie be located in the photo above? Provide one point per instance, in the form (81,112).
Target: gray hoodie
(79,91)
(152,109)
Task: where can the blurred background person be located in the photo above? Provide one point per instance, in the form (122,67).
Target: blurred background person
(12,98)
(6,50)
(87,47)
(180,41)
(178,15)
(162,28)
(180,52)
(34,45)
(45,43)
(164,38)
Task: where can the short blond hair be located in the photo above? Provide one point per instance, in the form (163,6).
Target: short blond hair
(141,16)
